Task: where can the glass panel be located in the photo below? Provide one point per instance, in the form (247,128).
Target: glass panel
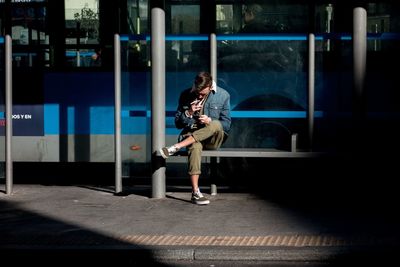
(82,33)
(195,58)
(324,15)
(29,24)
(185,19)
(381,19)
(82,21)
(136,123)
(267,81)
(23,58)
(266,17)
(290,17)
(30,34)
(136,97)
(137,16)
(333,91)
(187,54)
(382,89)
(83,57)
(224,19)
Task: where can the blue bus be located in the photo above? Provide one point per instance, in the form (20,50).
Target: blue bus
(63,82)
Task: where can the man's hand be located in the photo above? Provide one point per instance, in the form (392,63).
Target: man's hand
(204,119)
(195,106)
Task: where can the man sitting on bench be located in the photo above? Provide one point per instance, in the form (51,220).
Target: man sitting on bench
(204,115)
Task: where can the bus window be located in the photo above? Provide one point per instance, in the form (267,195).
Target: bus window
(29,32)
(224,19)
(137,16)
(82,32)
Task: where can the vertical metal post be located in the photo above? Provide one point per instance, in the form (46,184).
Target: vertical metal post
(293,142)
(213,70)
(359,58)
(78,58)
(158,99)
(311,89)
(117,114)
(213,56)
(9,131)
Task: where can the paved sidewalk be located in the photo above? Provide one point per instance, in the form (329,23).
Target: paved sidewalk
(86,220)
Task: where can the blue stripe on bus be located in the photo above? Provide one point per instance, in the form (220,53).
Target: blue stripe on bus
(52,110)
(137,121)
(274,114)
(169,37)
(51,119)
(241,114)
(187,37)
(262,37)
(101,119)
(74,54)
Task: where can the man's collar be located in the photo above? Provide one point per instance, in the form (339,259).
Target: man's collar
(214,87)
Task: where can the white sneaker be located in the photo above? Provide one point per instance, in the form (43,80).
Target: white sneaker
(199,199)
(168,151)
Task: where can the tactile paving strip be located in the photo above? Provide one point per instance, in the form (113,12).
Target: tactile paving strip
(272,240)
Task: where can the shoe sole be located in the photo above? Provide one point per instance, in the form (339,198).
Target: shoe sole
(164,152)
(205,202)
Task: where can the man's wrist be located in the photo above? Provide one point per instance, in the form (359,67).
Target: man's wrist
(187,113)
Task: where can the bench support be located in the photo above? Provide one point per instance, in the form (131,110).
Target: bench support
(215,155)
(213,175)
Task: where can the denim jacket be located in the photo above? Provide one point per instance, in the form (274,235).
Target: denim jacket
(217,107)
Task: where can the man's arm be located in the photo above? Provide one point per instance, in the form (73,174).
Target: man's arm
(182,118)
(225,115)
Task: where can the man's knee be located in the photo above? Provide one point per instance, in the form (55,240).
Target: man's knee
(215,126)
(196,146)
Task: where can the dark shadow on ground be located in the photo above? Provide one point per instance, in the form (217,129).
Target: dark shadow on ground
(180,199)
(29,238)
(353,193)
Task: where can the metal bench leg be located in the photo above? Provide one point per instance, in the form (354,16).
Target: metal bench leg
(293,142)
(213,175)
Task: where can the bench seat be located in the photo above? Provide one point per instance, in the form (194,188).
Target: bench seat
(247,153)
(255,153)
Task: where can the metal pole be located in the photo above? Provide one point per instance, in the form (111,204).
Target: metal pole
(311,89)
(359,58)
(117,114)
(213,70)
(9,131)
(78,59)
(213,56)
(158,99)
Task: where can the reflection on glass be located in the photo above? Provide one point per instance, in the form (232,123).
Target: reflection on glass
(265,78)
(29,25)
(137,16)
(185,19)
(82,21)
(84,57)
(262,18)
(224,19)
(29,33)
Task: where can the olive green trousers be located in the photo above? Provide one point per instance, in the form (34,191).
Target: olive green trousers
(209,137)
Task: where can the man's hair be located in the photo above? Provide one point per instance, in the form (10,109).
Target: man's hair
(202,80)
